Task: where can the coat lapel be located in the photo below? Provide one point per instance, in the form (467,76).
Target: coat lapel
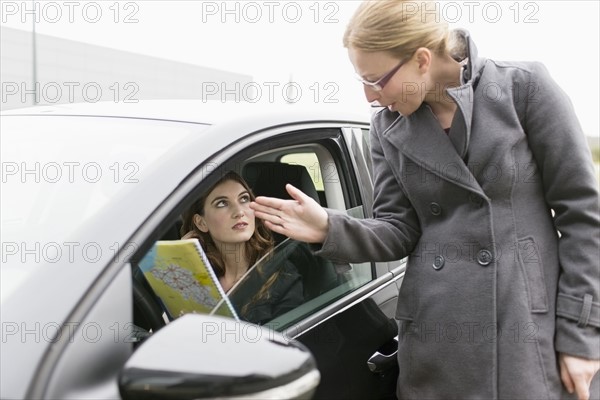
(421,138)
(460,132)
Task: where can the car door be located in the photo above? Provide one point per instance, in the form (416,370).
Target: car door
(353,339)
(348,326)
(358,327)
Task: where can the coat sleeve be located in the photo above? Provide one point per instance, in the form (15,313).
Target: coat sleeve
(571,190)
(390,235)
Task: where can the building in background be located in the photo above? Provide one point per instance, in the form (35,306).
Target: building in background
(67,71)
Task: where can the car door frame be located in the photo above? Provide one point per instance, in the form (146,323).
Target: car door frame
(159,222)
(382,290)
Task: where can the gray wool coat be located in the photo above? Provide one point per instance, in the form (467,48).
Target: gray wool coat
(500,221)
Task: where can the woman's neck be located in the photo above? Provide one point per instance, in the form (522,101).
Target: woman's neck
(236,264)
(445,75)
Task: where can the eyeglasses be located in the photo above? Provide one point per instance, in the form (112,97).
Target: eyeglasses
(381,82)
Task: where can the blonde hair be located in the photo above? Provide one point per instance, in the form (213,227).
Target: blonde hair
(400,27)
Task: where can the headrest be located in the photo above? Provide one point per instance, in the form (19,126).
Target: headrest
(269,179)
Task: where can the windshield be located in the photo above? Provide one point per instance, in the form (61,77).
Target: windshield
(58,171)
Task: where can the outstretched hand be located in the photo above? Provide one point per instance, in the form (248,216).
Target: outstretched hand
(301,219)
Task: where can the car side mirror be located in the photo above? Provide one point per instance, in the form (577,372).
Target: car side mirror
(202,357)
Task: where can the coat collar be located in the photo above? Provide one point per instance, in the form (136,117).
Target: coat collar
(474,65)
(421,138)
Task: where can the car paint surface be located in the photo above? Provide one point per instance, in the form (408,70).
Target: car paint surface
(40,290)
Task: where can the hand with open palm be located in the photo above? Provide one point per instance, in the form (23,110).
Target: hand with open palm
(301,219)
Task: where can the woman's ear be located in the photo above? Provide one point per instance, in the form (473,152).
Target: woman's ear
(200,223)
(423,56)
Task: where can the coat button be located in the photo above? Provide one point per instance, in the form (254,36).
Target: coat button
(484,258)
(435,208)
(438,262)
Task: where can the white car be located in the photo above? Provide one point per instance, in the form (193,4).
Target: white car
(86,191)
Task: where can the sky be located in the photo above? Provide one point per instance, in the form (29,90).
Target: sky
(300,41)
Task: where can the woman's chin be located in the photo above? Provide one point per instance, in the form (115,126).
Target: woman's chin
(392,107)
(242,237)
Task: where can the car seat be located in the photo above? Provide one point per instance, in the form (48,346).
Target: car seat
(268,178)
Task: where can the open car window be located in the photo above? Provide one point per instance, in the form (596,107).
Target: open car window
(282,288)
(291,282)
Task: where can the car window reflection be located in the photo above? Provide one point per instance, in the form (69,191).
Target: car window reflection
(273,286)
(291,277)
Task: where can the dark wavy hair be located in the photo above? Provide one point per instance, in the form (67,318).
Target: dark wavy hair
(259,244)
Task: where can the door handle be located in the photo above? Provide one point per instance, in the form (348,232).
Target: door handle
(384,358)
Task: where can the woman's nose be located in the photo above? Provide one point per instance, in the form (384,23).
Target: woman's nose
(370,94)
(238,211)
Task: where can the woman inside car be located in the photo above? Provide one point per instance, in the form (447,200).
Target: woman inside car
(234,240)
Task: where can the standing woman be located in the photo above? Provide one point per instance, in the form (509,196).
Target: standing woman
(484,180)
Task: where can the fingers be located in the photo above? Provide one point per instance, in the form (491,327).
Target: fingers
(267,205)
(582,380)
(268,217)
(275,227)
(273,204)
(566,377)
(582,387)
(189,235)
(296,193)
(577,373)
(269,202)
